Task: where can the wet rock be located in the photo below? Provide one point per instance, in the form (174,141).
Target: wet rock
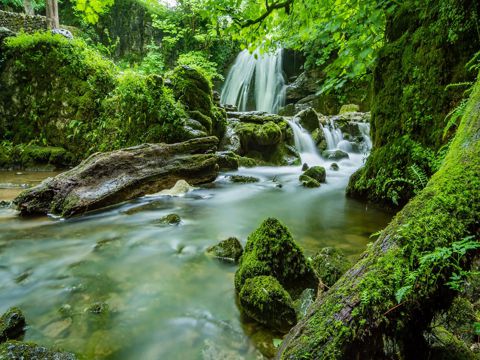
(334,167)
(15,350)
(271,250)
(265,300)
(181,187)
(263,340)
(243,179)
(227,160)
(316,172)
(330,264)
(309,182)
(349,108)
(5,204)
(308,118)
(170,219)
(335,154)
(318,137)
(303,303)
(287,110)
(109,178)
(12,325)
(229,250)
(56,328)
(247,162)
(305,167)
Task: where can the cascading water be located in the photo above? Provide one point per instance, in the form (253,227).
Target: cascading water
(333,135)
(269,82)
(304,144)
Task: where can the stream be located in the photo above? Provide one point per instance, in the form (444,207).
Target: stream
(118,284)
(166,298)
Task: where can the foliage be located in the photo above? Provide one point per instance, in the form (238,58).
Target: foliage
(200,61)
(342,37)
(153,62)
(90,10)
(432,265)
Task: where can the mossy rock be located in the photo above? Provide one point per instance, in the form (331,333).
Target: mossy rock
(229,250)
(335,155)
(271,250)
(227,160)
(243,179)
(446,346)
(318,137)
(170,219)
(316,172)
(308,119)
(309,182)
(330,264)
(247,162)
(349,108)
(12,325)
(265,300)
(15,350)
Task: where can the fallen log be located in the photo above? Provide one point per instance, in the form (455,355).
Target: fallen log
(105,179)
(382,305)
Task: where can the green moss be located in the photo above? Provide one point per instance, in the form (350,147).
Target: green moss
(309,182)
(243,179)
(330,264)
(263,299)
(229,250)
(316,172)
(271,250)
(446,211)
(170,219)
(349,108)
(426,50)
(12,324)
(13,350)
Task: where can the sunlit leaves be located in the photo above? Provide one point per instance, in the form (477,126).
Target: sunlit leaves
(92,9)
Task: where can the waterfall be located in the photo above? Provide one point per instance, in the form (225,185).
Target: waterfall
(365,130)
(304,144)
(333,136)
(268,83)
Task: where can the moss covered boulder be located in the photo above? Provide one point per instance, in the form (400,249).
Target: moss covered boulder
(15,350)
(335,155)
(309,182)
(194,91)
(265,300)
(270,250)
(12,325)
(316,172)
(229,250)
(330,264)
(170,219)
(308,119)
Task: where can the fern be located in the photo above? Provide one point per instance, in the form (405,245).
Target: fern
(420,178)
(454,116)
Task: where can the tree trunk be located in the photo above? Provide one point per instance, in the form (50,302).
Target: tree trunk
(51,9)
(359,317)
(28,6)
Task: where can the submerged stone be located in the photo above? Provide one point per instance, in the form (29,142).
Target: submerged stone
(330,264)
(15,350)
(265,300)
(271,250)
(170,219)
(229,250)
(305,167)
(12,324)
(334,167)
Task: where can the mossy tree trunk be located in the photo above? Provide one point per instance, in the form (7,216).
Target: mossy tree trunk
(360,317)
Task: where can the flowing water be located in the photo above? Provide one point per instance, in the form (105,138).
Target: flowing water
(260,75)
(166,298)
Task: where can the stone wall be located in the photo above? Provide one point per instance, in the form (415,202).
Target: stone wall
(18,21)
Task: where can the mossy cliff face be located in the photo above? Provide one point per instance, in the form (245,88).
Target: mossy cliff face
(60,93)
(382,305)
(427,47)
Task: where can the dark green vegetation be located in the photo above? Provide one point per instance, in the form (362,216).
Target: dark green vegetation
(386,301)
(229,250)
(87,104)
(428,49)
(12,325)
(329,265)
(272,272)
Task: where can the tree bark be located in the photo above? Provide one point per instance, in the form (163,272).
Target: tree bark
(28,6)
(359,317)
(51,9)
